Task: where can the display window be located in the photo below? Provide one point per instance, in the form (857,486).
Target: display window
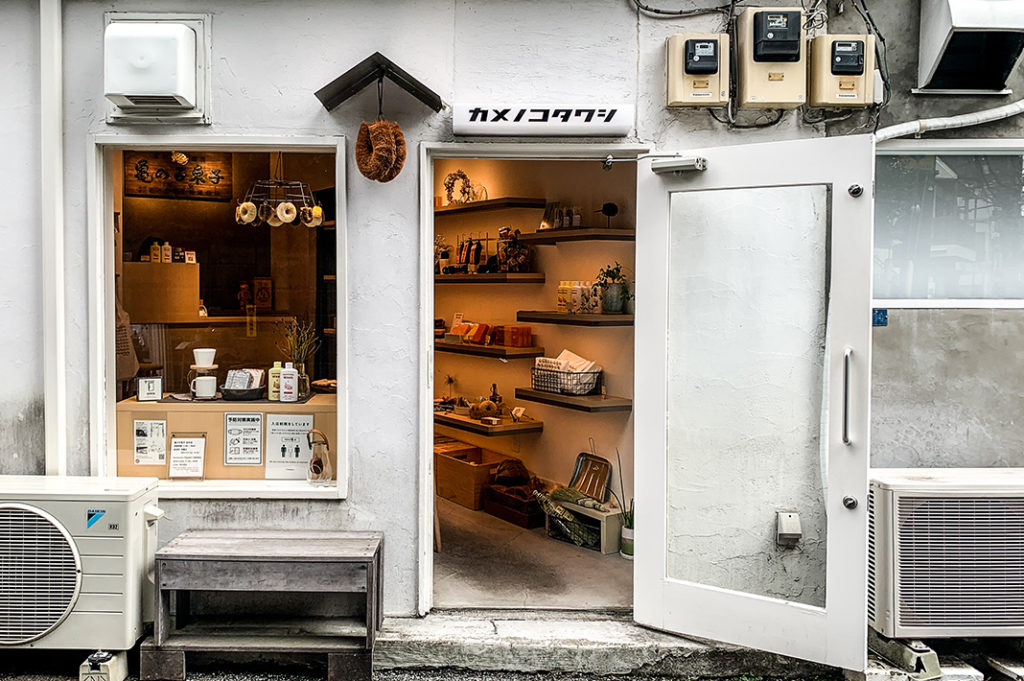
(225,298)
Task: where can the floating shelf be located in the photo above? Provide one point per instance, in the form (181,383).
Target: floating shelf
(589,403)
(329,225)
(488,350)
(555,236)
(547,317)
(496,278)
(490,204)
(507,427)
(330,332)
(330,277)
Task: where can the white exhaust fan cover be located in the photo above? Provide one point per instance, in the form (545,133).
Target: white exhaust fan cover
(969,45)
(150,65)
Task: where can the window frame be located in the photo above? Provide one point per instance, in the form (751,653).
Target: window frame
(100,267)
(949,147)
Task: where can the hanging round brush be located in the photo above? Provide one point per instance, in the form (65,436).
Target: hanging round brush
(380,144)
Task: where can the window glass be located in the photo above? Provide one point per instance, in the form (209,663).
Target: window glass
(949,226)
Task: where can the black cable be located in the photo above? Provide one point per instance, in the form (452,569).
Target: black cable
(675,14)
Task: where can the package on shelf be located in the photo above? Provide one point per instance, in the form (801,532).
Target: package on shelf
(241,379)
(513,336)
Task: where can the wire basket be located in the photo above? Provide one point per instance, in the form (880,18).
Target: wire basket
(583,532)
(567,382)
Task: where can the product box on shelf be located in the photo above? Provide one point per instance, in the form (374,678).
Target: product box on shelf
(513,336)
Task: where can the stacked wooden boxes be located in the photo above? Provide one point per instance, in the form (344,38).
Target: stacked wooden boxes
(513,336)
(462,471)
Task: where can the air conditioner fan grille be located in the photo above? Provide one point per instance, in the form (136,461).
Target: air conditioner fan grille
(961,561)
(40,574)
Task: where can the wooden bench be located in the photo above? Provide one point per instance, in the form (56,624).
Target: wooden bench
(266,561)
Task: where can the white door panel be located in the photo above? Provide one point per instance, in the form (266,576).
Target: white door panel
(753,283)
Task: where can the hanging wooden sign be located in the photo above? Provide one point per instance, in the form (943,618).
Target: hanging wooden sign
(153,173)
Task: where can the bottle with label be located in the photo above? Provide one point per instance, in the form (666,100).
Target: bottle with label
(289,383)
(274,382)
(166,252)
(563,297)
(154,252)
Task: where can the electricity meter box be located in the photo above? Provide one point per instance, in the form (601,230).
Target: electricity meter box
(697,70)
(842,71)
(771,57)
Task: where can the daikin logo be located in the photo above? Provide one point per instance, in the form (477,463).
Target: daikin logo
(92,516)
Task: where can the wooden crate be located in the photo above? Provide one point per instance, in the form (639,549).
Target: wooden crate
(461,475)
(512,509)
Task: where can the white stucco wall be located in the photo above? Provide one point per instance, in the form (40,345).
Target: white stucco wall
(21,400)
(268,58)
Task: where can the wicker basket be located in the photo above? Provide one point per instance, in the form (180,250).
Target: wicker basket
(567,382)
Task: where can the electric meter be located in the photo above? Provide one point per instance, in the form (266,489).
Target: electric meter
(842,71)
(697,69)
(771,58)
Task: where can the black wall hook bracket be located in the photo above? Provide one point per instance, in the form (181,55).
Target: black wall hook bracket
(376,67)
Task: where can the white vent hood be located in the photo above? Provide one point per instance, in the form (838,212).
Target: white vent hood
(150,65)
(969,46)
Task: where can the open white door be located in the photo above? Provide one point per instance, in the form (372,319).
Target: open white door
(753,358)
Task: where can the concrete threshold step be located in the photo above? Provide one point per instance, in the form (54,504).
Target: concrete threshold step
(607,643)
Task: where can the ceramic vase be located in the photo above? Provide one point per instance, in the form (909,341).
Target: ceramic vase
(626,543)
(613,297)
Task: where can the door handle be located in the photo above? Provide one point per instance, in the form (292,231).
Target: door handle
(847,355)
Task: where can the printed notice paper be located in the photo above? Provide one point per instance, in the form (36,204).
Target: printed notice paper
(150,443)
(288,449)
(187,457)
(243,439)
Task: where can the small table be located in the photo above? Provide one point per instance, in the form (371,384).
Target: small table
(266,561)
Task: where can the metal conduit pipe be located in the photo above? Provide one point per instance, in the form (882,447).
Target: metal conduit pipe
(949,122)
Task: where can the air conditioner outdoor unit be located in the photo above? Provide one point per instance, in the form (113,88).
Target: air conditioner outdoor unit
(946,552)
(76,561)
(969,46)
(150,65)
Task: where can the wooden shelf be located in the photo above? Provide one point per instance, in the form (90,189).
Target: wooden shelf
(297,634)
(330,277)
(491,204)
(555,236)
(589,403)
(488,350)
(330,332)
(547,317)
(507,427)
(497,278)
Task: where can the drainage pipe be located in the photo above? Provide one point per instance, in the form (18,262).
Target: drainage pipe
(962,121)
(51,163)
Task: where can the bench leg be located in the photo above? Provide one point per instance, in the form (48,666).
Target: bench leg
(355,666)
(161,665)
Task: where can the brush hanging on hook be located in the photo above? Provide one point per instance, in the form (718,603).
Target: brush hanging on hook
(380,144)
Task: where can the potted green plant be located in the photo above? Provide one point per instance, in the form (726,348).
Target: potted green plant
(626,538)
(612,282)
(628,517)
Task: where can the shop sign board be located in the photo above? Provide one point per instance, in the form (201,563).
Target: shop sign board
(243,439)
(155,174)
(604,119)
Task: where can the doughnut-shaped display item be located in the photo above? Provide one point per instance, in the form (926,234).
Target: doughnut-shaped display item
(286,211)
(306,216)
(274,221)
(247,212)
(375,149)
(396,167)
(265,211)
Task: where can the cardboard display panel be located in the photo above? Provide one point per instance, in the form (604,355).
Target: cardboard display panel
(208,417)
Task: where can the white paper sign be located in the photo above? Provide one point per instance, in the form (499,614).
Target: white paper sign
(188,455)
(605,119)
(150,443)
(243,439)
(288,450)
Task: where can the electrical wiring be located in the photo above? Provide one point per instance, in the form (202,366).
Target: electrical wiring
(881,56)
(681,13)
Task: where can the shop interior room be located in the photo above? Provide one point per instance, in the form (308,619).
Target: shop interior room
(533,383)
(224,311)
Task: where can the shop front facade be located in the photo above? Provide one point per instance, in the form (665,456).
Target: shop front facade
(267,62)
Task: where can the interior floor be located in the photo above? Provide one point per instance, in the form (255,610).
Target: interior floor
(486,562)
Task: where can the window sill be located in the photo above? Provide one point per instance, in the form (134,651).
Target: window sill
(244,489)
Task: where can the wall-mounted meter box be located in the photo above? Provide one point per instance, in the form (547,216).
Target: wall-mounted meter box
(771,58)
(842,71)
(697,69)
